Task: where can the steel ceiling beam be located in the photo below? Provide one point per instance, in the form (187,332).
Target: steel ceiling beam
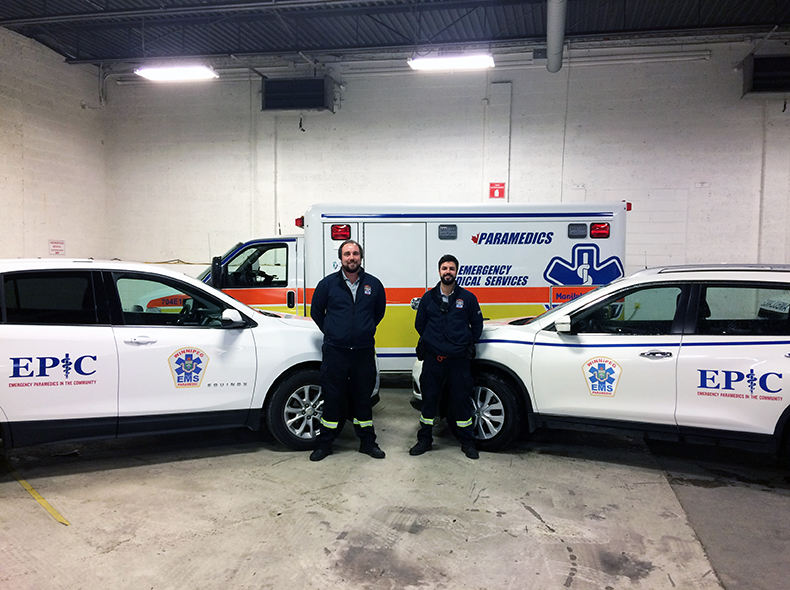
(323,6)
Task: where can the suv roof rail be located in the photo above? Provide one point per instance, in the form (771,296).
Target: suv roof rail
(715,268)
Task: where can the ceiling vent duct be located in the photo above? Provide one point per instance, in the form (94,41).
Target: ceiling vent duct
(299,94)
(766,74)
(555,33)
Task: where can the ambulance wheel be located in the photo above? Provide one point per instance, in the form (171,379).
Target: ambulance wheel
(497,413)
(294,412)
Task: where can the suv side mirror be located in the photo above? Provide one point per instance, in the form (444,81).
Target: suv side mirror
(217,273)
(563,324)
(232,318)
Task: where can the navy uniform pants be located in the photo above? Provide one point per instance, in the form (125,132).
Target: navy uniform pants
(457,372)
(347,375)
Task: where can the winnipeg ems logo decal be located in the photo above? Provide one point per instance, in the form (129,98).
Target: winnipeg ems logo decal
(602,375)
(188,366)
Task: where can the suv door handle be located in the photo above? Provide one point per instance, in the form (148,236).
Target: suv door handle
(140,340)
(655,354)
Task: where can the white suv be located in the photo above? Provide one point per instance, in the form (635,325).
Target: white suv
(694,351)
(102,349)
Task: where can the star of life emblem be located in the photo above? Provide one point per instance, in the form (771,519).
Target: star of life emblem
(188,365)
(602,375)
(584,268)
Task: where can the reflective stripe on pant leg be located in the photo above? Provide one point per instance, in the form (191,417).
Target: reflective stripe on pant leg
(431,380)
(461,386)
(334,379)
(365,431)
(425,433)
(327,424)
(362,383)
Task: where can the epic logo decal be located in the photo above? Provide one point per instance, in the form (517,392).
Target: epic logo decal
(512,238)
(723,384)
(188,366)
(602,375)
(40,366)
(586,268)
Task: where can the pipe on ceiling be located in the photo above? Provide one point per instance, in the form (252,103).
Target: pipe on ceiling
(555,34)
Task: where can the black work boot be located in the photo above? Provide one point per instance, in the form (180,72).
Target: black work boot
(420,448)
(367,441)
(322,451)
(371,449)
(470,450)
(323,447)
(466,437)
(424,440)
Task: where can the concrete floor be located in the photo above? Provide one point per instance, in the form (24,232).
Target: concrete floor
(223,510)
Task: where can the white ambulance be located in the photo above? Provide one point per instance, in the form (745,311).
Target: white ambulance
(518,259)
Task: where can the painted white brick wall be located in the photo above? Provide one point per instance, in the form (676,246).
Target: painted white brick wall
(180,160)
(192,169)
(52,155)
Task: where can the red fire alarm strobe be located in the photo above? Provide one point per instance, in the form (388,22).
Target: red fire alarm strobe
(496,190)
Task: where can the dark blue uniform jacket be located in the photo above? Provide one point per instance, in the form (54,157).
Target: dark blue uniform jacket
(452,327)
(347,323)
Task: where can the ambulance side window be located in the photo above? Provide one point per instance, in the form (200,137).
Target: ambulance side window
(262,265)
(645,311)
(744,310)
(50,298)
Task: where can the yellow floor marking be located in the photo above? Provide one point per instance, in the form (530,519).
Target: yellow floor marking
(46,505)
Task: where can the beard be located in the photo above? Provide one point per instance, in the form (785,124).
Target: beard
(448,279)
(350,267)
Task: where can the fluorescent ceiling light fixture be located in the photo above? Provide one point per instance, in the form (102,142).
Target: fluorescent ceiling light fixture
(457,62)
(177,73)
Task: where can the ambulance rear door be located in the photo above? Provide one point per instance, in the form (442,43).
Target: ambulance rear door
(395,253)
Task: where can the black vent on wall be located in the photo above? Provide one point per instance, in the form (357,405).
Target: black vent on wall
(297,94)
(770,73)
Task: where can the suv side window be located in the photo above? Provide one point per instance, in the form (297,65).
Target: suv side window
(157,301)
(644,311)
(263,265)
(744,310)
(50,298)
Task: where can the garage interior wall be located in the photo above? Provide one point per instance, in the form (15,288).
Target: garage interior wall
(53,182)
(164,172)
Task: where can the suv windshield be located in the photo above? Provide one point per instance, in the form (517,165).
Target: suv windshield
(549,312)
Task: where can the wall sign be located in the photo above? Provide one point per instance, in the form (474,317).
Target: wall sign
(57,247)
(496,190)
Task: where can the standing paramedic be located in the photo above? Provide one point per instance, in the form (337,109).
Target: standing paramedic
(449,322)
(347,306)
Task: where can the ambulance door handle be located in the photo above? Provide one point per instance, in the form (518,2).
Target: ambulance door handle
(140,340)
(655,354)
(290,299)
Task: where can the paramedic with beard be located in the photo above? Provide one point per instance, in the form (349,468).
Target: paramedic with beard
(449,322)
(347,306)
